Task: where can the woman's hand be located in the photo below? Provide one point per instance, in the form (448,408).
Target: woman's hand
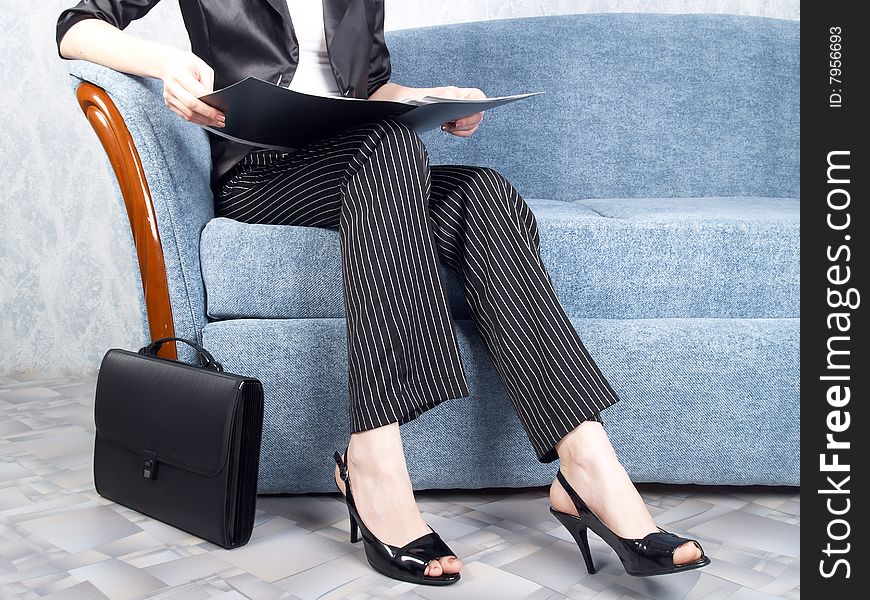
(186,77)
(464,126)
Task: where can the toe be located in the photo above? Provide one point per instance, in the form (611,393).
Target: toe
(450,564)
(433,569)
(687,553)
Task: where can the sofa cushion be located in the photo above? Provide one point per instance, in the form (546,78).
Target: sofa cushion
(609,258)
(726,390)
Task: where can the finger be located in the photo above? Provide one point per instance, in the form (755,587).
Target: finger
(464,133)
(473,93)
(468,120)
(184,112)
(206,76)
(189,101)
(466,125)
(190,81)
(188,89)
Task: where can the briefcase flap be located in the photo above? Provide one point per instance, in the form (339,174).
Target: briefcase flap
(172,412)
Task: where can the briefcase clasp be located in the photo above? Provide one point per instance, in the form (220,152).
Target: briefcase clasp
(149,463)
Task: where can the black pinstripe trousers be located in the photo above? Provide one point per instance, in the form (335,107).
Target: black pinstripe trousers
(397,216)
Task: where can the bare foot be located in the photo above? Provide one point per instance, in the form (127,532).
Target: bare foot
(590,465)
(383,493)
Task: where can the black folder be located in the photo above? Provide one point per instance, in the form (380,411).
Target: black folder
(265,114)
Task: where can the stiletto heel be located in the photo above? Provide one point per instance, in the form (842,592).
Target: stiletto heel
(354,529)
(651,555)
(579,532)
(406,563)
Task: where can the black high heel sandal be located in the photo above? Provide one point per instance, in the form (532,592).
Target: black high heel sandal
(407,563)
(650,555)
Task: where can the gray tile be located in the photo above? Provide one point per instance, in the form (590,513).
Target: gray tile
(672,587)
(18,394)
(81,591)
(10,471)
(557,567)
(747,594)
(327,577)
(750,530)
(449,529)
(283,554)
(743,576)
(255,588)
(118,580)
(684,510)
(508,553)
(710,587)
(187,569)
(483,581)
(518,512)
(310,512)
(784,582)
(60,539)
(81,529)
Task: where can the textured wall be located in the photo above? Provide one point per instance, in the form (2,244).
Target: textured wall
(418,13)
(67,281)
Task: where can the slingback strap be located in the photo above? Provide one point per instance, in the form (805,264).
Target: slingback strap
(342,466)
(342,472)
(406,563)
(575,497)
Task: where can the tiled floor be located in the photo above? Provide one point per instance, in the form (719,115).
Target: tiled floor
(60,540)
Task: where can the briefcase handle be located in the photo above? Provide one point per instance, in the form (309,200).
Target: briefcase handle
(208,361)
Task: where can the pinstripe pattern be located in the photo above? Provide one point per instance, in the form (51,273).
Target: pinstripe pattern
(397,216)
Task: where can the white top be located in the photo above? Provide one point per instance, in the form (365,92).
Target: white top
(313,74)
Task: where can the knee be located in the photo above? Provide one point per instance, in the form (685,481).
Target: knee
(491,178)
(496,187)
(400,137)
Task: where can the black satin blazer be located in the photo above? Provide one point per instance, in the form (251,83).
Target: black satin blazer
(238,38)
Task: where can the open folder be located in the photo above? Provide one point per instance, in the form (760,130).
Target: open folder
(261,113)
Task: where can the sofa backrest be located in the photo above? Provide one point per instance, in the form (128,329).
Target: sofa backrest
(176,157)
(635,105)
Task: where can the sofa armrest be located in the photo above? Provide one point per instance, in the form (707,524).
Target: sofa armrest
(112,132)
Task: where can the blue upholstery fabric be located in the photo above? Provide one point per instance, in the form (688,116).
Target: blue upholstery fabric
(724,388)
(612,258)
(177,161)
(662,165)
(634,106)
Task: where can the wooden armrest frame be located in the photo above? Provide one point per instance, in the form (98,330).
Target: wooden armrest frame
(112,131)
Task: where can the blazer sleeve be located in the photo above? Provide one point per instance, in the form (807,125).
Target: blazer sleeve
(379,60)
(119,13)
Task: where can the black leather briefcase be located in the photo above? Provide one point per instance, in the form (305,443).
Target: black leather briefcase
(179,442)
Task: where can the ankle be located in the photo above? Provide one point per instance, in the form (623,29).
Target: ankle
(586,446)
(377,451)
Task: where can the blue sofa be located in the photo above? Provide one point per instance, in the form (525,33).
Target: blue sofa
(662,166)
